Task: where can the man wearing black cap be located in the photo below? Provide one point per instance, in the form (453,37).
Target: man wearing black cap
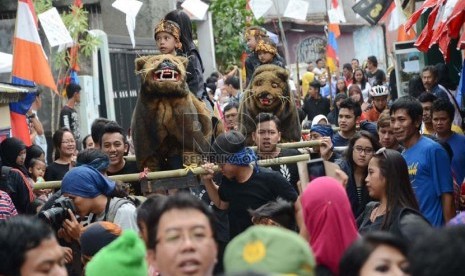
(243,186)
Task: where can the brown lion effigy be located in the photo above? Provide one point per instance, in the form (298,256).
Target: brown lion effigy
(269,92)
(168,120)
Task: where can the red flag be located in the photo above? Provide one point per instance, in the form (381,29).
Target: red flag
(335,3)
(461,43)
(416,15)
(424,39)
(444,41)
(437,33)
(457,17)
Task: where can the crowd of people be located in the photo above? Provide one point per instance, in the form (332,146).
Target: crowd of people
(393,206)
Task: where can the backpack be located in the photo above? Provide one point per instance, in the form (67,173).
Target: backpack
(134,200)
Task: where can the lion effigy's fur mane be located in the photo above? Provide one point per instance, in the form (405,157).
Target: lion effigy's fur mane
(269,92)
(168,119)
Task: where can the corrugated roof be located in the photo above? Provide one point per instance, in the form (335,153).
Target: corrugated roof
(12,93)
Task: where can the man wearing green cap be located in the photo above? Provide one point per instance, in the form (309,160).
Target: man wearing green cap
(124,256)
(269,249)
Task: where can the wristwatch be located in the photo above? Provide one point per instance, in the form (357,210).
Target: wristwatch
(33,115)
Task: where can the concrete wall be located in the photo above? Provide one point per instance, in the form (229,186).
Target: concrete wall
(151,12)
(309,44)
(7,28)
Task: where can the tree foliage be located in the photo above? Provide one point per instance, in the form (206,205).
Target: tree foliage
(76,21)
(229,21)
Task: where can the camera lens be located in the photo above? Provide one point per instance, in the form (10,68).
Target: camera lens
(54,216)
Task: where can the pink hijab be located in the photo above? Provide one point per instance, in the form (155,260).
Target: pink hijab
(329,221)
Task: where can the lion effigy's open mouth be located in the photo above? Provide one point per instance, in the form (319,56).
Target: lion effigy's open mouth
(166,75)
(266,99)
(166,71)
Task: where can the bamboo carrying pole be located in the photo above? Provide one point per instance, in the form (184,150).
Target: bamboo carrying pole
(291,145)
(182,172)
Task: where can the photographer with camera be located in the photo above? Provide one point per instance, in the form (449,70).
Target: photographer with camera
(92,196)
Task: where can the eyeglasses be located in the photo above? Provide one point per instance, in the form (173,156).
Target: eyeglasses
(359,149)
(68,142)
(176,239)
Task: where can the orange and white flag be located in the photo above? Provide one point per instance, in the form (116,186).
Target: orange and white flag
(29,60)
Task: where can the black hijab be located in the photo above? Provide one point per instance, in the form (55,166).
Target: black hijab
(9,151)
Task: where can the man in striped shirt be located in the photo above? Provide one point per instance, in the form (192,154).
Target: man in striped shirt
(7,208)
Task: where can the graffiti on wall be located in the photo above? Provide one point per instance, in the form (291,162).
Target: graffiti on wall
(311,49)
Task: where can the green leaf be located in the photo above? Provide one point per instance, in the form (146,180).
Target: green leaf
(229,22)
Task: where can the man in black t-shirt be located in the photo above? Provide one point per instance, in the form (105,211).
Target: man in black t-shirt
(115,144)
(314,103)
(68,115)
(266,136)
(375,76)
(244,186)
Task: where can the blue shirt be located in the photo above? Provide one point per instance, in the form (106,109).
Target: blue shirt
(460,91)
(457,143)
(325,90)
(439,92)
(339,141)
(430,177)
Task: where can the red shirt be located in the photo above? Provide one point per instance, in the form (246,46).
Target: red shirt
(371,115)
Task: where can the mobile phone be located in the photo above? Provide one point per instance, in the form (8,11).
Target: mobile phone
(316,168)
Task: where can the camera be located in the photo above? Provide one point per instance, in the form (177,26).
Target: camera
(58,212)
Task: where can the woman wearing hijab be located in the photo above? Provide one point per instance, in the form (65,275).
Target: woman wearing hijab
(13,154)
(329,221)
(92,195)
(323,133)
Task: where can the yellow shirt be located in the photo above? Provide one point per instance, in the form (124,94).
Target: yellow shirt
(307,78)
(455,128)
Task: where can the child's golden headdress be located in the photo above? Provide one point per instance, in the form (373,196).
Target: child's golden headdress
(255,31)
(170,27)
(266,46)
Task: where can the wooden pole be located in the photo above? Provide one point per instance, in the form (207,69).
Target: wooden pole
(181,172)
(291,145)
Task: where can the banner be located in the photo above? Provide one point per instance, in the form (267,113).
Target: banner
(372,10)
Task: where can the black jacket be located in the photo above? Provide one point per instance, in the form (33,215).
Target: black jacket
(406,223)
(357,206)
(13,184)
